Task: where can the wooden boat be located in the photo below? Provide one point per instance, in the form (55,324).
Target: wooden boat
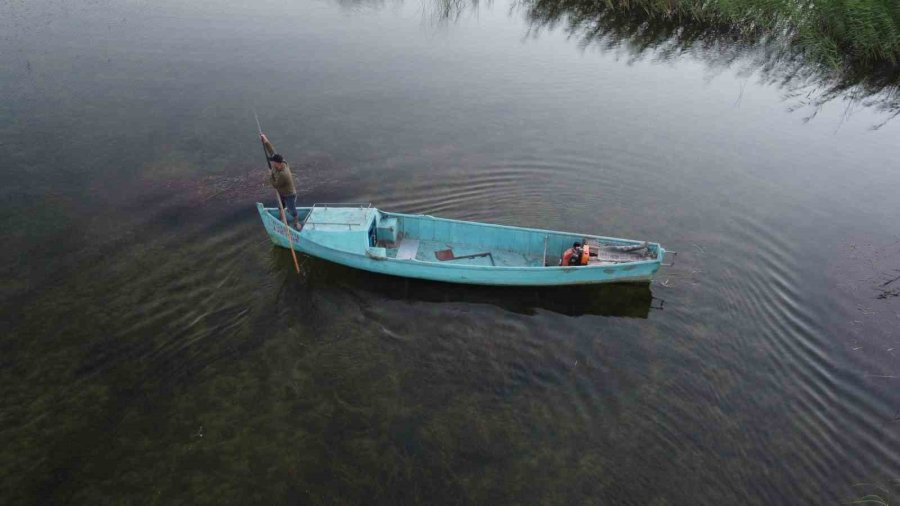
(425,247)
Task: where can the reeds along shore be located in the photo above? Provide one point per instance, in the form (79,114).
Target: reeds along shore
(819,51)
(838,33)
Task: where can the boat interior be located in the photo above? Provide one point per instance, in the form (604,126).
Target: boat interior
(429,239)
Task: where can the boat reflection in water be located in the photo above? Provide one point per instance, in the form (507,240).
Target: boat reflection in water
(629,300)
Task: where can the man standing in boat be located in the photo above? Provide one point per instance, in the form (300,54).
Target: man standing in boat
(283,181)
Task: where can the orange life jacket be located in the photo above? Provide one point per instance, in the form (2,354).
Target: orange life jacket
(582,260)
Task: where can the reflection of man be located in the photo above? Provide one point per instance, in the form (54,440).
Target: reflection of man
(283,181)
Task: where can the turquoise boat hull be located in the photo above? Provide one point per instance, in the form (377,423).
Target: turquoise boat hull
(454,251)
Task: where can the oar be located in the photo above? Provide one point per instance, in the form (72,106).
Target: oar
(278,197)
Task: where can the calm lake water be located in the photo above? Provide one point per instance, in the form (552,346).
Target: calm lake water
(155,348)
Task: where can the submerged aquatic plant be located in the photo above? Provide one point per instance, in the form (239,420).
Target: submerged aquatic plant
(876,494)
(871,499)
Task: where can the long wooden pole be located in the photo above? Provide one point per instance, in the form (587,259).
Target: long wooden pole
(278,198)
